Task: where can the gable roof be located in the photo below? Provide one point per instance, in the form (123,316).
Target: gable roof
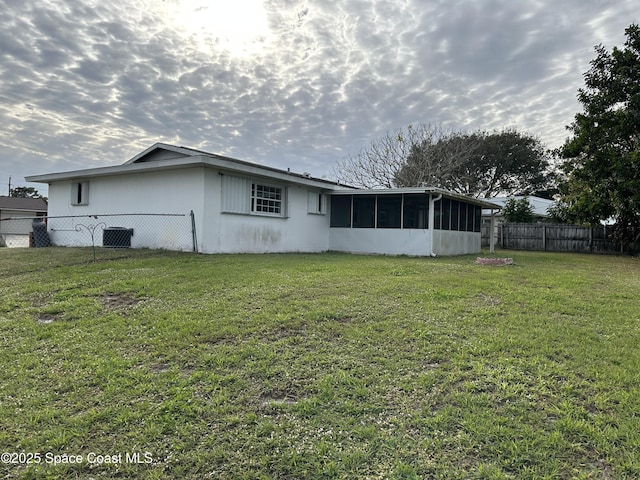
(162,156)
(23,204)
(175,152)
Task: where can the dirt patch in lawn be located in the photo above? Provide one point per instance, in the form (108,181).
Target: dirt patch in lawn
(489,300)
(118,301)
(159,367)
(494,261)
(46,318)
(278,397)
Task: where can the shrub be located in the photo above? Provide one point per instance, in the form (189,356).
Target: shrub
(518,211)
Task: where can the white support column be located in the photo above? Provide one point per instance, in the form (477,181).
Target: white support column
(432,222)
(492,233)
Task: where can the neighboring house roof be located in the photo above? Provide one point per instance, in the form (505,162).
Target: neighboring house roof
(162,156)
(23,204)
(539,205)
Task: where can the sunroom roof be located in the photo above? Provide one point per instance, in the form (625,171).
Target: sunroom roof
(418,190)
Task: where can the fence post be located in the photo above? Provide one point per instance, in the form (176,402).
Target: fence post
(194,237)
(544,237)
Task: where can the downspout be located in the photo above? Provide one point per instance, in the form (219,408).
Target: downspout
(431,219)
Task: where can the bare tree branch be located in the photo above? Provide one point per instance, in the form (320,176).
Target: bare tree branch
(379,164)
(479,163)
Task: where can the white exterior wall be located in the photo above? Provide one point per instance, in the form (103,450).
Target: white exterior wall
(450,242)
(180,191)
(15,233)
(171,191)
(404,241)
(299,231)
(385,241)
(15,241)
(20,226)
(174,191)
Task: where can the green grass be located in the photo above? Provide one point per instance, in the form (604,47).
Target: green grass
(320,366)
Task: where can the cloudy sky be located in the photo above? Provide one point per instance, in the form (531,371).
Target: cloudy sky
(293,84)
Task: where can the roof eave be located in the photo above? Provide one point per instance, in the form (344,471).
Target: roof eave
(430,190)
(24,209)
(108,171)
(212,161)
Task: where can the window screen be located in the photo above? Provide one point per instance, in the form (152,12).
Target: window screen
(416,211)
(389,211)
(340,211)
(364,208)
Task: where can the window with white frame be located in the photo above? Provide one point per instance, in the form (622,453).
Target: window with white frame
(267,199)
(80,193)
(317,203)
(246,197)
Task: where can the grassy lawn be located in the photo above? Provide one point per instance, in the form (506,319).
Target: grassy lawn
(318,366)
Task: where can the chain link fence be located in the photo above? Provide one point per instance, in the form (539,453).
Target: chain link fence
(110,231)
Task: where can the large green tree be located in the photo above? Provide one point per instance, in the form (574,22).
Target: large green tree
(26,192)
(481,164)
(603,166)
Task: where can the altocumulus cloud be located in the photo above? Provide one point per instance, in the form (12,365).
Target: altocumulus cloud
(290,83)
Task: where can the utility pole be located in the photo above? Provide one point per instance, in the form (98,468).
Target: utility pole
(9,186)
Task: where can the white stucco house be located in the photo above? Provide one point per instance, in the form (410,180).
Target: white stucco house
(240,206)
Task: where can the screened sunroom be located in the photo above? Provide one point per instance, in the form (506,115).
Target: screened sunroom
(423,221)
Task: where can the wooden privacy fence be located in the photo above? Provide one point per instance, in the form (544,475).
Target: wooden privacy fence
(556,238)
